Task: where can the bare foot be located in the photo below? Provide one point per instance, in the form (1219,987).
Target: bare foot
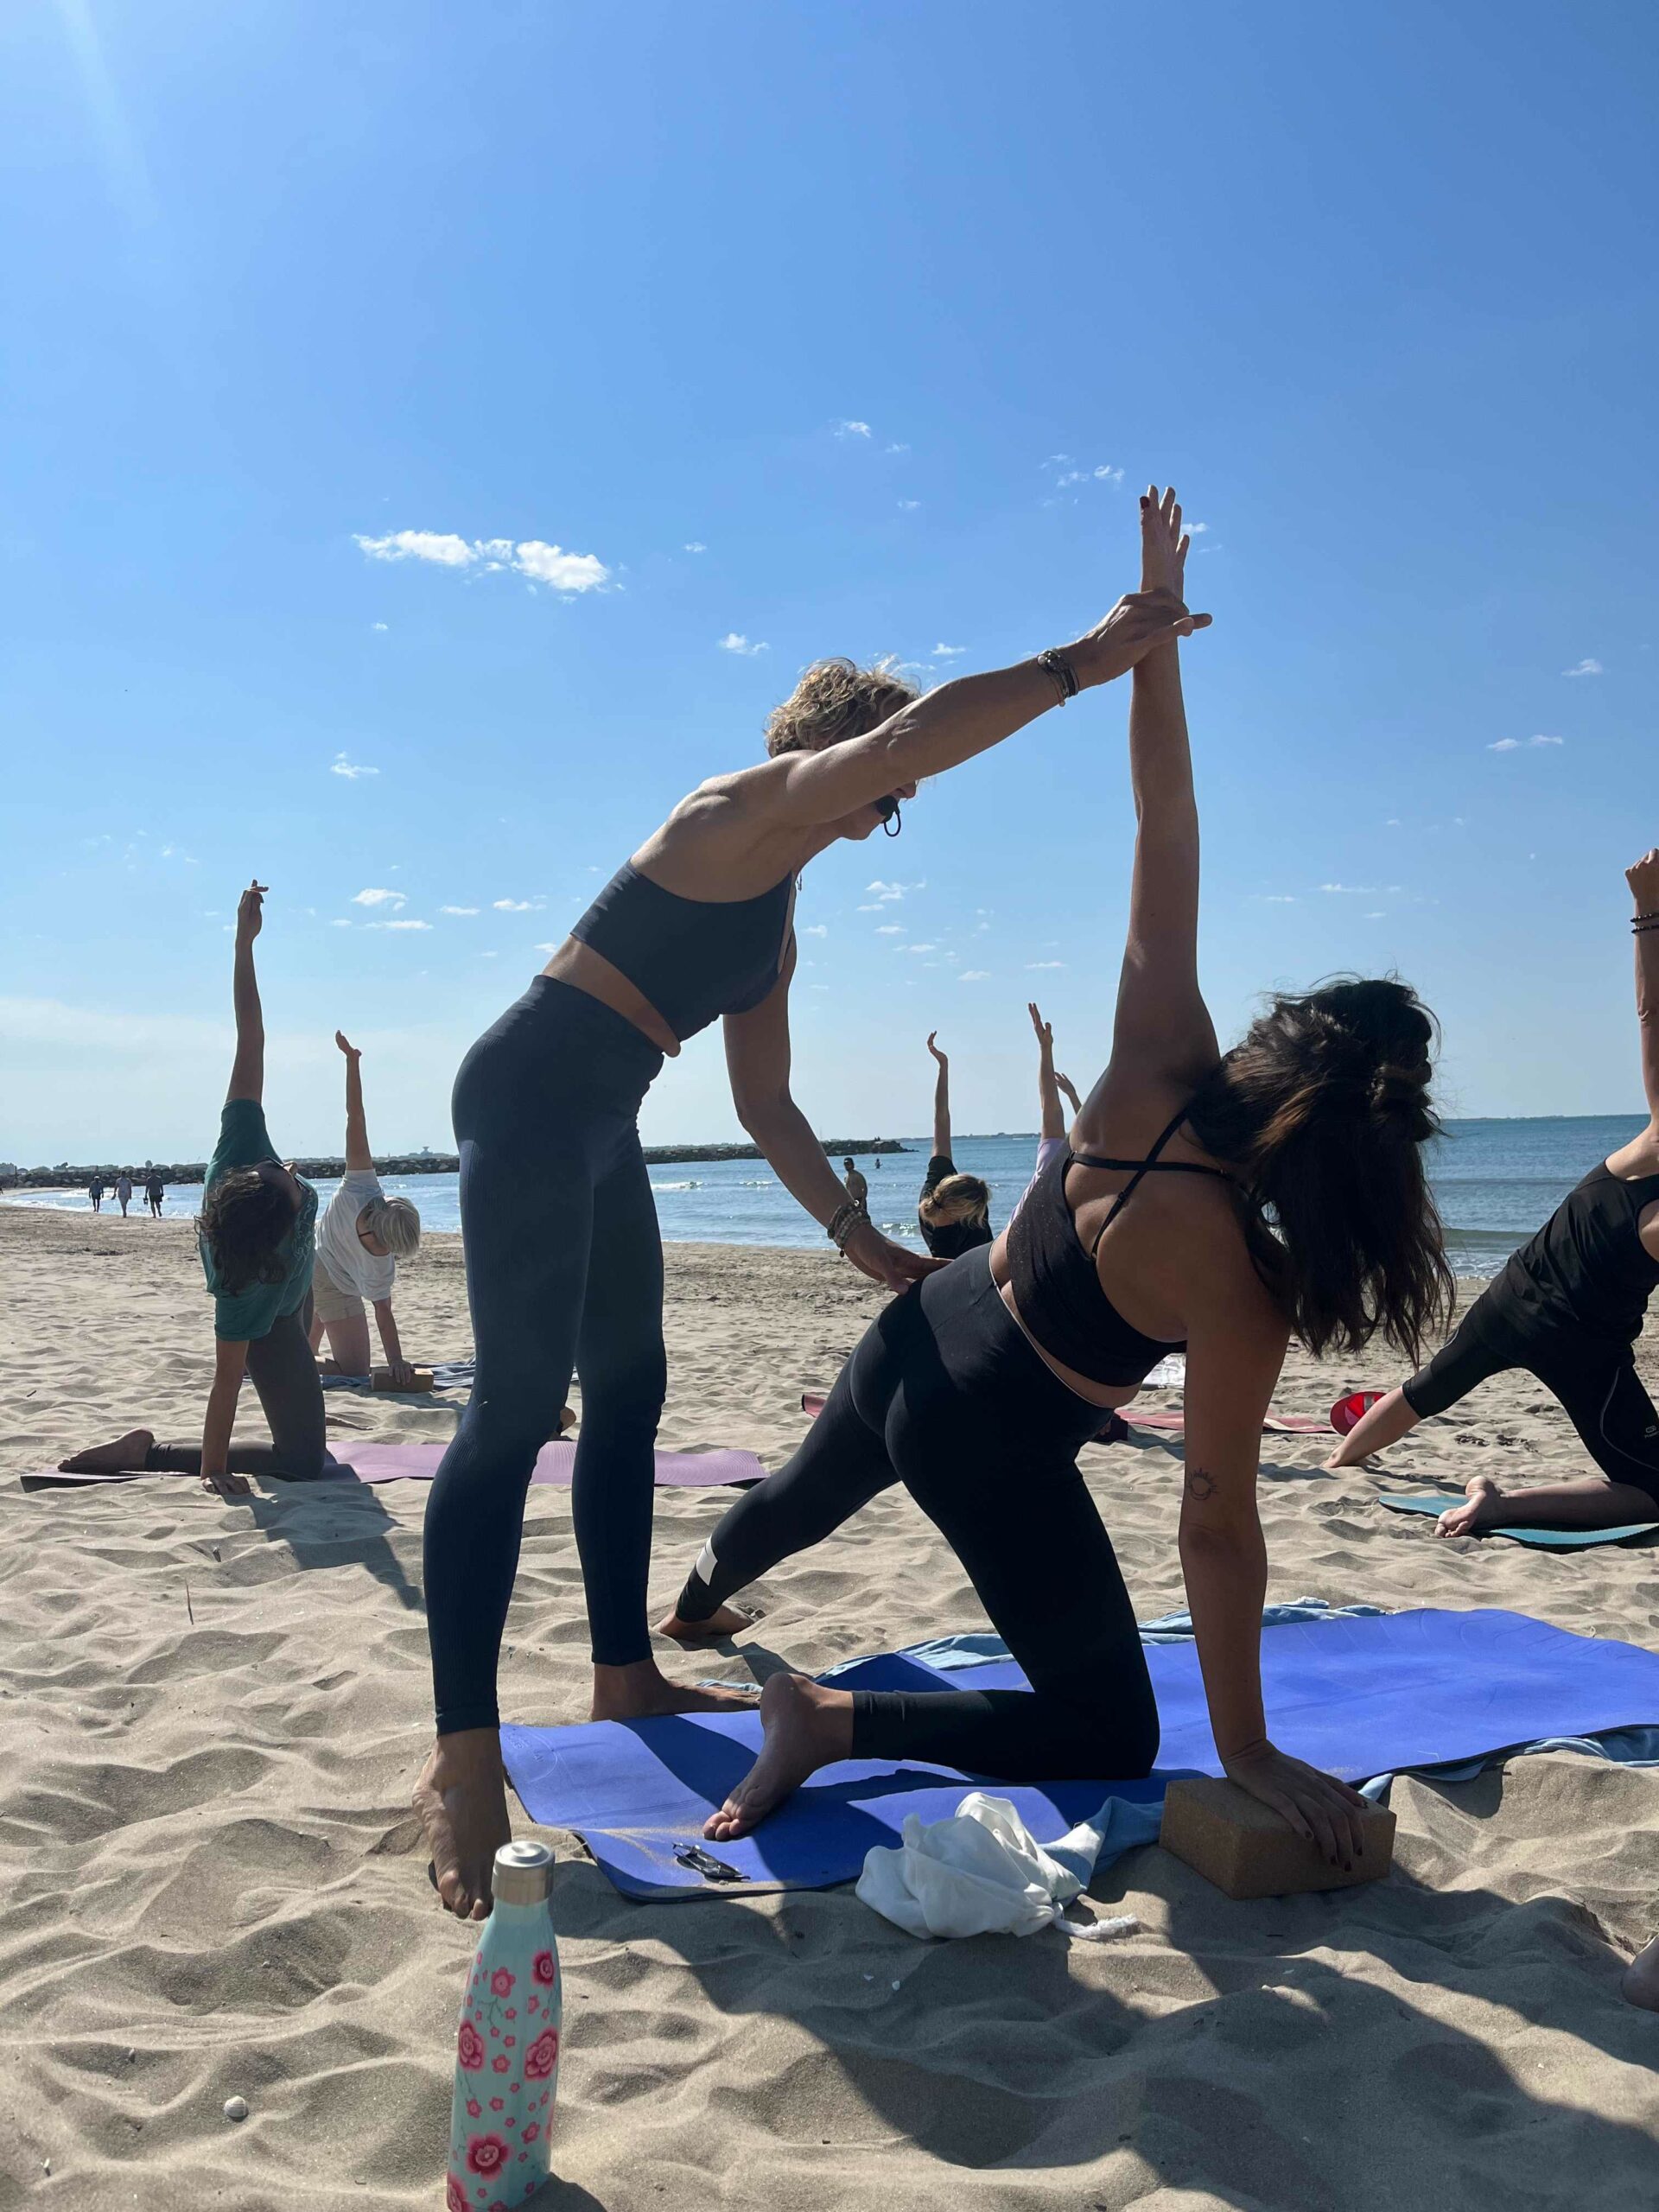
(640,1692)
(126,1456)
(724,1621)
(461,1800)
(1641,1983)
(1485,1500)
(807,1726)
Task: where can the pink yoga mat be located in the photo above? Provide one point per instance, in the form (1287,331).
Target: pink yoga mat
(1166,1420)
(393,1463)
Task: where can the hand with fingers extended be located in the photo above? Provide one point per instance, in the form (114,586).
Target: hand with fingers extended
(1163,543)
(1139,624)
(1045,1029)
(351,1051)
(250,912)
(1323,1811)
(1070,1090)
(1643,880)
(884,1261)
(933,1048)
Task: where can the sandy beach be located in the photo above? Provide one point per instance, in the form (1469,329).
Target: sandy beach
(211,1713)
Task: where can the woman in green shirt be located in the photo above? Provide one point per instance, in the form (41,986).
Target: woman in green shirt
(256,1236)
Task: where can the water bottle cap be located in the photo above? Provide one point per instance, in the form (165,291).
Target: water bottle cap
(523,1874)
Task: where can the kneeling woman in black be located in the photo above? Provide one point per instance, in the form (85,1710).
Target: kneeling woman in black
(564,1265)
(1151,1233)
(1568,1308)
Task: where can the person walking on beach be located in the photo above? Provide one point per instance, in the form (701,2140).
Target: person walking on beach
(95,1192)
(154,1192)
(1567,1307)
(361,1236)
(953,1212)
(255,1236)
(124,1191)
(564,1255)
(1219,1203)
(853,1183)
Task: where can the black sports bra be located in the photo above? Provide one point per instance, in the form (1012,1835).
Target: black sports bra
(1055,1282)
(694,959)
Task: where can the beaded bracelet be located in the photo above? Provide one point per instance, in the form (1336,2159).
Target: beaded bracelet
(1646,922)
(844,1220)
(1065,676)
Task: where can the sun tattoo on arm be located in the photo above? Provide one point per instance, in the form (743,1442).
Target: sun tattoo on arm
(1200,1485)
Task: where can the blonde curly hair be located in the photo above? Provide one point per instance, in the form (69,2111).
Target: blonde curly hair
(957,1197)
(836,699)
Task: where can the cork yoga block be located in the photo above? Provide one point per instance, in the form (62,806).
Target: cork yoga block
(1247,1851)
(383,1381)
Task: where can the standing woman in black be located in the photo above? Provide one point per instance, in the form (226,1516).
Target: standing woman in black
(563,1257)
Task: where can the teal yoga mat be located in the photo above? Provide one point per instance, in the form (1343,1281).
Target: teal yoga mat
(1548,1539)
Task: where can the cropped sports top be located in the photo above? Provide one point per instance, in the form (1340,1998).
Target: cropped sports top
(1055,1283)
(694,959)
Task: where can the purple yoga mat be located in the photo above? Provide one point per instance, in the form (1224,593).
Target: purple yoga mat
(394,1463)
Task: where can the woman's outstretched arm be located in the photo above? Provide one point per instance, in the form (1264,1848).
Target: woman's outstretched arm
(962,718)
(1052,1125)
(1643,880)
(358,1155)
(248,1069)
(758,1062)
(941,1100)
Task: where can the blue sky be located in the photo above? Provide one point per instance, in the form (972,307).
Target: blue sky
(823,329)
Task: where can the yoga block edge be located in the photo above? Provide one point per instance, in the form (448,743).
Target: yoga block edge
(1247,1851)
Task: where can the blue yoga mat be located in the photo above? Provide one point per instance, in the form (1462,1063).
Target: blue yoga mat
(1549,1540)
(1356,1696)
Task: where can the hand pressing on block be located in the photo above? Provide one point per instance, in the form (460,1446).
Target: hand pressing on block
(1247,1850)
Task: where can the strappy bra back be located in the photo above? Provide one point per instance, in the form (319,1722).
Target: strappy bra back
(1054,1278)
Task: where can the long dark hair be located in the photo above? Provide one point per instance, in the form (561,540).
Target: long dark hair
(244,1222)
(1323,1110)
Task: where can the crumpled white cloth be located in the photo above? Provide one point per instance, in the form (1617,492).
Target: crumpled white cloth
(982,1872)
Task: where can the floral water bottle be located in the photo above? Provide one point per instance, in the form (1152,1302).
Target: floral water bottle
(507,2047)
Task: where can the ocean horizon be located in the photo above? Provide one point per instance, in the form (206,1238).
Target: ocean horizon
(1494,1179)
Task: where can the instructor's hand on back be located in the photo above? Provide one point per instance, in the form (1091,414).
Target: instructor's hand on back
(884,1261)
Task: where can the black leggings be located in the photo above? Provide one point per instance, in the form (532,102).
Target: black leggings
(944,1394)
(564,1270)
(284,1372)
(1595,1382)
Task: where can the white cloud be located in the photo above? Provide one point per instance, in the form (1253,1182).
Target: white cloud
(898,445)
(1377,916)
(852,429)
(1546,741)
(1352,890)
(887,929)
(1513,744)
(1110,475)
(543,947)
(350,769)
(735,642)
(531,557)
(815,929)
(517,906)
(694,545)
(378,899)
(1195,529)
(341,925)
(915,948)
(974,975)
(908,507)
(1057,461)
(397,925)
(1278,898)
(948,653)
(178,852)
(1034,964)
(379,625)
(886,893)
(1583,667)
(457,910)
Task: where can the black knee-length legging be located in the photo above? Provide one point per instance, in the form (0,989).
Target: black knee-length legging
(946,1394)
(564,1270)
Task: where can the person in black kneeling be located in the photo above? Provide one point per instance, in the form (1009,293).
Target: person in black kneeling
(954,1211)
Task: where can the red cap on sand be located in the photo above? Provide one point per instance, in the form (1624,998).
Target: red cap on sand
(1347,1411)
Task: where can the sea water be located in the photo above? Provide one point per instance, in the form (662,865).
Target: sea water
(1495,1182)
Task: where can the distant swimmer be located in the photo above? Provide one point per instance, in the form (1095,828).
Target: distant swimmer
(853,1183)
(255,1236)
(1567,1307)
(954,1211)
(361,1236)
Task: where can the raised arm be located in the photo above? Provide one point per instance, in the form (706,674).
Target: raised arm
(941,1100)
(963,718)
(758,1061)
(1048,1084)
(248,1069)
(1643,880)
(357,1129)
